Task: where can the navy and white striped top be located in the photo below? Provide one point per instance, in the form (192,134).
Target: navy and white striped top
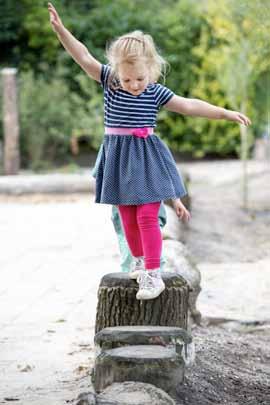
(122,109)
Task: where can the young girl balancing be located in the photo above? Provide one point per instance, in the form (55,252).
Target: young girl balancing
(137,170)
(127,260)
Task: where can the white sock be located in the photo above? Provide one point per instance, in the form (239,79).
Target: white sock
(154,272)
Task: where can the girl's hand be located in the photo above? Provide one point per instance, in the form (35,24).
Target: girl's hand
(236,116)
(181,210)
(55,20)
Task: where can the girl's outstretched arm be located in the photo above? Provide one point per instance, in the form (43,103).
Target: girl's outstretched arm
(75,48)
(199,108)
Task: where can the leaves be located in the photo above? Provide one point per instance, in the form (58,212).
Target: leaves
(219,51)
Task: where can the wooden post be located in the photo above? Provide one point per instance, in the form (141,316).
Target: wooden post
(244,157)
(10,122)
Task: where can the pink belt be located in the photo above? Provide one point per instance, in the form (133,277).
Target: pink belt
(140,132)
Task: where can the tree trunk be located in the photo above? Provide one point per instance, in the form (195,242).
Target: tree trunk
(11,124)
(118,306)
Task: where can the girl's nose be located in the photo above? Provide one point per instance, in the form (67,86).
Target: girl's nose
(135,86)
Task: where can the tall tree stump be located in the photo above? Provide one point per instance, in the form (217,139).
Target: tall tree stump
(118,306)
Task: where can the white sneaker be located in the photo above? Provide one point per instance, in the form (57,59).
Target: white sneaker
(150,285)
(137,267)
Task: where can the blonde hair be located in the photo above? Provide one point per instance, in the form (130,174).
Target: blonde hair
(132,48)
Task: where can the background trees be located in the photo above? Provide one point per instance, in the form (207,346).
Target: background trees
(218,51)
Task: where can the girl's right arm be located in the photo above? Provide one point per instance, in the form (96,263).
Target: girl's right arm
(75,48)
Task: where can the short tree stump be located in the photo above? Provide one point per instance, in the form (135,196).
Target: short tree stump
(153,364)
(119,336)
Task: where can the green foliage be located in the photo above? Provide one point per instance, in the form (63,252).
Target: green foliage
(10,19)
(50,114)
(187,43)
(89,111)
(45,119)
(218,52)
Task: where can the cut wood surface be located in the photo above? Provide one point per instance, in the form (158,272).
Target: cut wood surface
(112,337)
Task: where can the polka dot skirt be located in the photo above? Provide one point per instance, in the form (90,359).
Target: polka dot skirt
(135,170)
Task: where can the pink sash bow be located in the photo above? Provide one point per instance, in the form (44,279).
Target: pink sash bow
(139,132)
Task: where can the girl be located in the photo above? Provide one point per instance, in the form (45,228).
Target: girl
(137,170)
(127,261)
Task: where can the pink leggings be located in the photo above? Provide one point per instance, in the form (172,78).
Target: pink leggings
(141,227)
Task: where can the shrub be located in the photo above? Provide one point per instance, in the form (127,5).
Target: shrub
(50,114)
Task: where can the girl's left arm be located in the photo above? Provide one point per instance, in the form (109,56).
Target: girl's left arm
(181,210)
(199,108)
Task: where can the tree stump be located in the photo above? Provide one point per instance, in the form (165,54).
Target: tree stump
(119,336)
(127,393)
(134,393)
(118,306)
(110,368)
(153,364)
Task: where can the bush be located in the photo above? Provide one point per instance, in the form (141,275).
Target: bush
(50,114)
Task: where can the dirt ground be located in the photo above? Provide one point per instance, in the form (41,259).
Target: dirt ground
(231,368)
(221,230)
(232,364)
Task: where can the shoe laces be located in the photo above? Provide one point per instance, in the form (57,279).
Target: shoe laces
(145,281)
(137,264)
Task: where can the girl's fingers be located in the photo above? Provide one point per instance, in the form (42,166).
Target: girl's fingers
(247,120)
(184,214)
(242,119)
(51,6)
(239,117)
(53,10)
(52,14)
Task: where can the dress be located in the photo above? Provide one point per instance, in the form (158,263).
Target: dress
(134,170)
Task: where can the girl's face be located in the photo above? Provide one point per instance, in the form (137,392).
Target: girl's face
(133,78)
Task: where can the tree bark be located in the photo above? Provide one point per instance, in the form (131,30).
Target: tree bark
(118,306)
